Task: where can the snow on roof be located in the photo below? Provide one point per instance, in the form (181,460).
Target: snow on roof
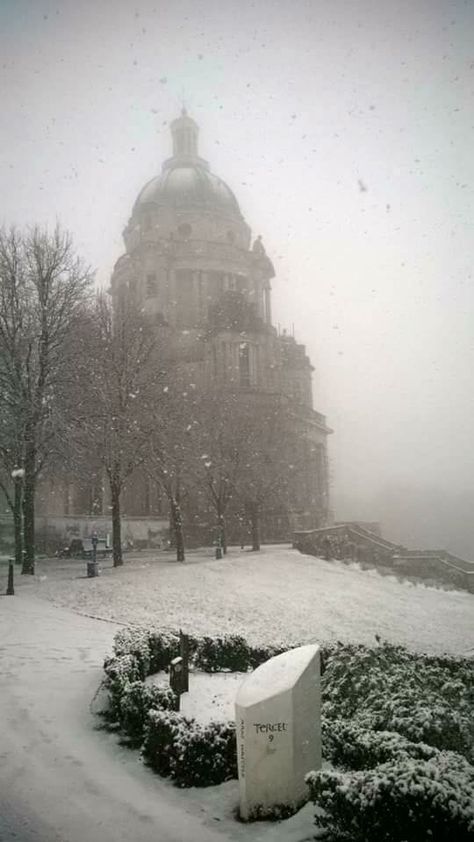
(275,676)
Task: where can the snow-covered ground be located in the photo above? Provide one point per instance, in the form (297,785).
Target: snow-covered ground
(211,696)
(276,596)
(61,780)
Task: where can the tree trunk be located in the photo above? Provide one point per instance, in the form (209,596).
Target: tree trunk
(221,531)
(18,520)
(177,524)
(116,524)
(28,562)
(255,526)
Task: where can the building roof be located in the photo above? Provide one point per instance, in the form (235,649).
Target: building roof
(188,184)
(186,180)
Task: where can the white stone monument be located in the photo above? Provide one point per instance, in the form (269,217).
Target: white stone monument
(278,724)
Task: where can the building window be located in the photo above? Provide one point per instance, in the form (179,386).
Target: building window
(151,285)
(217,283)
(215,366)
(186,314)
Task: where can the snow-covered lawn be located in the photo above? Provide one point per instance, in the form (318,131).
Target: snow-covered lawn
(79,784)
(277,596)
(211,696)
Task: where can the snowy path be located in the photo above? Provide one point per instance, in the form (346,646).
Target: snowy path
(61,780)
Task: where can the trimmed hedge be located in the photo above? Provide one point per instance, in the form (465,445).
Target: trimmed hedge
(405,801)
(392,721)
(349,746)
(137,700)
(173,745)
(425,699)
(189,753)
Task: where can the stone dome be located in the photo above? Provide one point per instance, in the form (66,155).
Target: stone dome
(189,184)
(185,180)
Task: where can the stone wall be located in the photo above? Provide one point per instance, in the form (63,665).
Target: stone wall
(352,542)
(55,531)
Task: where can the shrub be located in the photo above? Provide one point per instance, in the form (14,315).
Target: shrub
(223,653)
(231,653)
(191,754)
(348,745)
(134,642)
(389,689)
(137,700)
(422,715)
(259,654)
(163,730)
(207,755)
(163,647)
(119,672)
(404,801)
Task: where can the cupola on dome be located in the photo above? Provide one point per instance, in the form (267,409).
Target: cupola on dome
(186,180)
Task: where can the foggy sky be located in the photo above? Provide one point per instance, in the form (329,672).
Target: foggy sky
(346,130)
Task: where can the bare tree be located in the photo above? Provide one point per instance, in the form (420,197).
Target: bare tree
(170,455)
(11,474)
(271,458)
(247,452)
(219,445)
(42,285)
(116,383)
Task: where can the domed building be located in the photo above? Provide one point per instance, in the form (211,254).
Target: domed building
(192,267)
(191,263)
(187,242)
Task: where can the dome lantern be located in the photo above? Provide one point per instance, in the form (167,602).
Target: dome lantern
(184,131)
(186,181)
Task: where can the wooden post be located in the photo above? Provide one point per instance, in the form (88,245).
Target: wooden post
(176,679)
(10,585)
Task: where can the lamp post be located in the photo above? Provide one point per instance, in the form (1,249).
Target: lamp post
(17,477)
(10,585)
(92,564)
